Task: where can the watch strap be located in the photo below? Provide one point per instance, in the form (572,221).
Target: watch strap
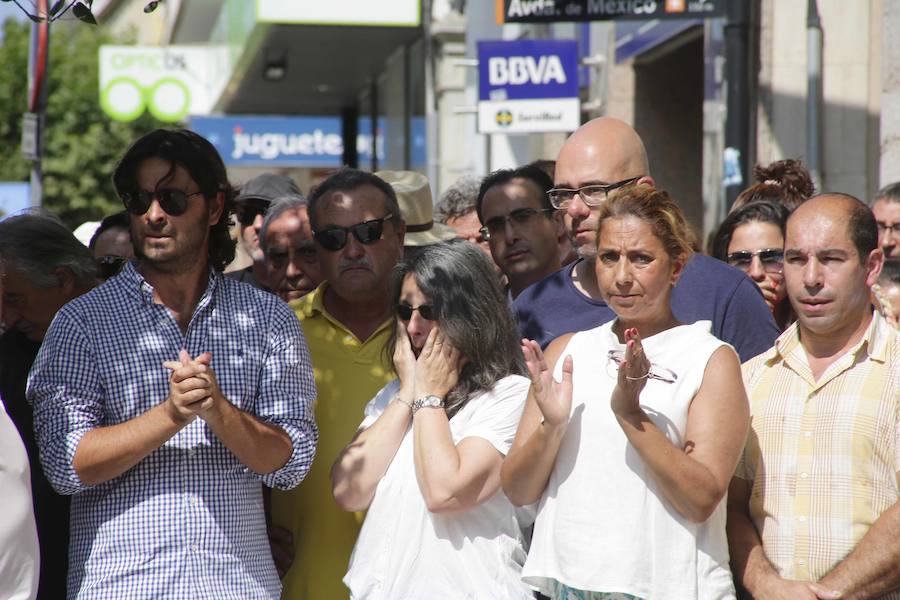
(430,401)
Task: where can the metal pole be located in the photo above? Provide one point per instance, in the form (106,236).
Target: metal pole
(739,77)
(38,62)
(431,117)
(814,93)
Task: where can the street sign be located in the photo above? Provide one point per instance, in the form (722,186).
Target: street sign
(552,11)
(171,82)
(528,86)
(31,123)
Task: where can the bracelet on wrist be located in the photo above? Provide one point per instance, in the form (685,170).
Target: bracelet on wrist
(399,399)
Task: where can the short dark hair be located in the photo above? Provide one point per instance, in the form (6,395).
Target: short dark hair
(348,179)
(202,162)
(762,211)
(119,220)
(889,193)
(863,228)
(530,172)
(461,284)
(890,272)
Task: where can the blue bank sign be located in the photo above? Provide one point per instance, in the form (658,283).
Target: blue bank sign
(528,86)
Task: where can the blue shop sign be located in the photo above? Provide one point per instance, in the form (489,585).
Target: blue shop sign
(527,69)
(284,141)
(301,141)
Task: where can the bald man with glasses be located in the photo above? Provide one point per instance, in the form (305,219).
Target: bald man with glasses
(603,155)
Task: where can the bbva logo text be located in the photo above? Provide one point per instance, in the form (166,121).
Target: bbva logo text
(519,70)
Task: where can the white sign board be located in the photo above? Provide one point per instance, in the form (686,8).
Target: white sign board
(528,86)
(399,13)
(171,82)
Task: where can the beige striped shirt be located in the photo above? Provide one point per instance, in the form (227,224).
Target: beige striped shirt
(823,456)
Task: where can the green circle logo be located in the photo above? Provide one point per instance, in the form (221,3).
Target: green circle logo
(123,99)
(169,99)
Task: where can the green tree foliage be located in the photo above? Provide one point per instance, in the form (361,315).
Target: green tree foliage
(81,143)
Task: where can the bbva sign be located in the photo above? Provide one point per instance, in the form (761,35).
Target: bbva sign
(527,69)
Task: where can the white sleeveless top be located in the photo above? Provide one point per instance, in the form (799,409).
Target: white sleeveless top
(603,524)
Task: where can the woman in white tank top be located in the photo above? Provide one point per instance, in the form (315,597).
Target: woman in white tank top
(629,445)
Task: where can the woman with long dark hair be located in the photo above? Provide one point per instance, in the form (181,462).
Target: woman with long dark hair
(425,463)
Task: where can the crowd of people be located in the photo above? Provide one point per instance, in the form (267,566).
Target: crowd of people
(540,387)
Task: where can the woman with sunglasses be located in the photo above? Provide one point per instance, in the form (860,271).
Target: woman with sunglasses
(751,239)
(630,443)
(425,463)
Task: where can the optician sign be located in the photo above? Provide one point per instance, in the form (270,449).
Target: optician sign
(292,141)
(528,86)
(171,82)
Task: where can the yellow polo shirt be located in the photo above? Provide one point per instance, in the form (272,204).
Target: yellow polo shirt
(822,456)
(348,373)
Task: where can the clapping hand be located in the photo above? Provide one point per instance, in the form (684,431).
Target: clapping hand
(193,389)
(633,372)
(554,399)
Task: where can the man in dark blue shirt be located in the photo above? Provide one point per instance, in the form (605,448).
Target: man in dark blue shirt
(602,155)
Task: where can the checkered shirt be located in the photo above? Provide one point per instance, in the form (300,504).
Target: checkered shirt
(823,456)
(187,521)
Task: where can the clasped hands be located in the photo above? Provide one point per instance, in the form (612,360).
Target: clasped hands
(193,389)
(434,372)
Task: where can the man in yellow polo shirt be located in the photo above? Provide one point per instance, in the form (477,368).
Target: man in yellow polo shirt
(359,236)
(814,507)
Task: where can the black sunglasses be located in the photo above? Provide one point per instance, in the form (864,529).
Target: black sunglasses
(367,232)
(405,311)
(110,265)
(247,214)
(174,202)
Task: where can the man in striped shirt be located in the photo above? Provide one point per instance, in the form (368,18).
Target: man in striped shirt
(164,398)
(813,506)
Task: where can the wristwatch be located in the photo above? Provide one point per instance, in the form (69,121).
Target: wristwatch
(430,401)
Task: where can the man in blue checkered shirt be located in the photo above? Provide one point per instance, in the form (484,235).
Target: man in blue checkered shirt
(164,398)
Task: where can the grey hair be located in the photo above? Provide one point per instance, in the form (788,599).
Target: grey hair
(889,193)
(37,243)
(278,207)
(459,199)
(461,284)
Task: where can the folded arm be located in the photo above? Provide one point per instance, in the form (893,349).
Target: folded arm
(695,477)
